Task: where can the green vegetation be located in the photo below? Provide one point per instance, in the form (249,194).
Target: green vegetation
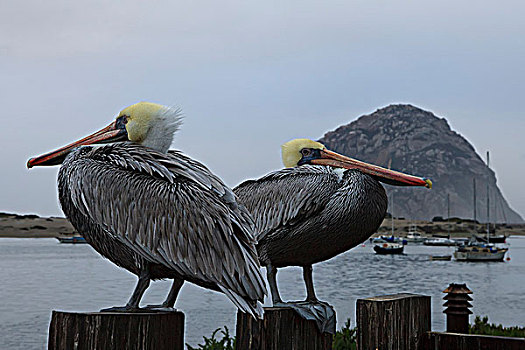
(227,342)
(483,327)
(345,339)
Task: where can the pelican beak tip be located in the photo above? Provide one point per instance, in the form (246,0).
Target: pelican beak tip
(28,164)
(429,183)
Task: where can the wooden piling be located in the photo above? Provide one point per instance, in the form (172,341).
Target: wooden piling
(281,329)
(118,331)
(456,341)
(389,322)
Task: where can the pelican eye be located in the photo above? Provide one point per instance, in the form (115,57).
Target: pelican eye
(121,122)
(306,152)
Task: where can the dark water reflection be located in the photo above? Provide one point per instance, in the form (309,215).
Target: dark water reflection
(40,275)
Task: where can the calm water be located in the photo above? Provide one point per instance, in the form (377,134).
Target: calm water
(40,275)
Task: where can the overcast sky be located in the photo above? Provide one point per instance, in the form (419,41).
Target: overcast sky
(250,75)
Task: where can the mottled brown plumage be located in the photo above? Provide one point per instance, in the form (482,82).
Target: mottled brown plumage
(309,214)
(157,213)
(322,205)
(139,207)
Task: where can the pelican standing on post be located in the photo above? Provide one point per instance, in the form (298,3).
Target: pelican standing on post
(321,205)
(157,213)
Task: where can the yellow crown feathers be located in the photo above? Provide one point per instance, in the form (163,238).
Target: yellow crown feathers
(291,150)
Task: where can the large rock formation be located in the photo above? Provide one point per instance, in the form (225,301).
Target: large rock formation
(417,142)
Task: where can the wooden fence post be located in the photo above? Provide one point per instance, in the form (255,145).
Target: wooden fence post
(281,329)
(118,331)
(457,341)
(391,322)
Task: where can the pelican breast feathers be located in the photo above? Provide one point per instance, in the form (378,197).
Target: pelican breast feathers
(170,209)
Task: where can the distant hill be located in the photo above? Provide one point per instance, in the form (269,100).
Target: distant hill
(417,142)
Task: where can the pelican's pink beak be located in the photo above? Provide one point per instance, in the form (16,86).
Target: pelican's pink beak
(384,175)
(110,133)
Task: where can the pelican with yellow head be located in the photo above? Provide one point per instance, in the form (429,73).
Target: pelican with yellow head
(144,123)
(157,213)
(320,205)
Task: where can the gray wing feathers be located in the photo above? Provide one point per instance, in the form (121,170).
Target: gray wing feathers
(172,211)
(286,196)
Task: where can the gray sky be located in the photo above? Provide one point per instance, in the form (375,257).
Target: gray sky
(251,75)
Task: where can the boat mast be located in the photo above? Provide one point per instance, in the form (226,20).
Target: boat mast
(392,211)
(448,214)
(391,201)
(474,199)
(488,200)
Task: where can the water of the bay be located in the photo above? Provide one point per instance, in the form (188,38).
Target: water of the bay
(40,275)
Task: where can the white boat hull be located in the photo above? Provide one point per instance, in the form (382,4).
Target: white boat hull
(415,239)
(440,242)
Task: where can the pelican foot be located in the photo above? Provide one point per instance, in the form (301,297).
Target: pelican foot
(160,308)
(118,309)
(124,309)
(319,311)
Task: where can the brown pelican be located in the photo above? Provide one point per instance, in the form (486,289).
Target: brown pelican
(321,205)
(157,213)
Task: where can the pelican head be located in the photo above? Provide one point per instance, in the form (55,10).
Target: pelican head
(293,151)
(304,151)
(148,124)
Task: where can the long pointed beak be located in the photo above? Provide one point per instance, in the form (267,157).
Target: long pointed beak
(384,175)
(109,134)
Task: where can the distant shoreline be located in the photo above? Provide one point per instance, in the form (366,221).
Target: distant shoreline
(31,235)
(33,226)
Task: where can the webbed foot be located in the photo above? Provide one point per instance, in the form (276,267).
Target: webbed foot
(160,307)
(126,308)
(120,309)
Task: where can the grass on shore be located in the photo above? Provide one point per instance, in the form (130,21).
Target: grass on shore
(483,327)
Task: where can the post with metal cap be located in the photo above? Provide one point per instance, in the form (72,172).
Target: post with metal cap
(457,303)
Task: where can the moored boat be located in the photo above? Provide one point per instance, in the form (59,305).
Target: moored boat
(389,239)
(389,248)
(479,248)
(441,257)
(480,252)
(72,240)
(413,236)
(439,242)
(492,238)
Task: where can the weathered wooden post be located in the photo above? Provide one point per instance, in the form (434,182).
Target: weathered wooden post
(281,329)
(154,330)
(390,322)
(457,303)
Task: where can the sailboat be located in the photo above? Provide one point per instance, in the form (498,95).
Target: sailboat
(413,236)
(442,240)
(389,245)
(481,251)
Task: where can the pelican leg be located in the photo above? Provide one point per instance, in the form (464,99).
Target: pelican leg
(271,273)
(140,288)
(174,291)
(172,296)
(309,282)
(142,285)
